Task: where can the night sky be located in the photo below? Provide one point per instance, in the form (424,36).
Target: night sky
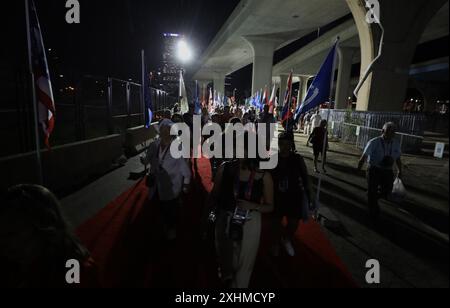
(108,41)
(112,32)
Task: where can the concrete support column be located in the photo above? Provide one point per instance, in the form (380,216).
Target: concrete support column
(263,50)
(219,83)
(404,22)
(346,55)
(303,91)
(283,87)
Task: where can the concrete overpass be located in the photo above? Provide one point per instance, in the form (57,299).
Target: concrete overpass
(307,61)
(257,28)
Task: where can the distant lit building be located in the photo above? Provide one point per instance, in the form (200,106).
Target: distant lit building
(170,75)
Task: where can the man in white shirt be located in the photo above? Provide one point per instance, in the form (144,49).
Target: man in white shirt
(168,177)
(307,125)
(381,153)
(316,120)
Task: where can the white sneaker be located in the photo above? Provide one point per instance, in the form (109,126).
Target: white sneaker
(289,247)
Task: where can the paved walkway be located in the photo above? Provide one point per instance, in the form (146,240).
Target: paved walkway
(411,244)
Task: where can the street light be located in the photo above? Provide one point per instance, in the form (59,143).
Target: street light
(184,53)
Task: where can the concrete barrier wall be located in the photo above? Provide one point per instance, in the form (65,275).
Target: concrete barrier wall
(73,164)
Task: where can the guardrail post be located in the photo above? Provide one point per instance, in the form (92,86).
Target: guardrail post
(128,106)
(109,107)
(401,142)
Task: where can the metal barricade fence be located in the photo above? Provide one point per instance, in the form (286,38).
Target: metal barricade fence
(359,136)
(407,123)
(94,107)
(126,104)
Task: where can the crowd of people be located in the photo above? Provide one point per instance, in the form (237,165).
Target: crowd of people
(242,192)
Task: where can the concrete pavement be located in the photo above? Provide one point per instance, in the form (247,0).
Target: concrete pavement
(411,242)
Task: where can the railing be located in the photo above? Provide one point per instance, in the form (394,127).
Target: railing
(407,123)
(359,136)
(93,108)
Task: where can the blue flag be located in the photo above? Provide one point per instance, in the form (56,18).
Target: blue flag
(198,105)
(225,101)
(148,101)
(319,92)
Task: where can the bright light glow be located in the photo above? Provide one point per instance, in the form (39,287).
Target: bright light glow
(184,52)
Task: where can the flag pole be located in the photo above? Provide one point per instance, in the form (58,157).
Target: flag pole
(291,79)
(319,185)
(40,179)
(143,85)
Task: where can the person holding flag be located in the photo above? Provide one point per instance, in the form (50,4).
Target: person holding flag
(292,195)
(319,93)
(287,109)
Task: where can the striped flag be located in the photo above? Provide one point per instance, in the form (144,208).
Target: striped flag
(287,114)
(43,85)
(272,100)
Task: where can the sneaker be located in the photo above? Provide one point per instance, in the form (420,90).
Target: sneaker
(289,247)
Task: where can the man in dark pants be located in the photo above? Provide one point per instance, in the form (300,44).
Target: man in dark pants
(382,154)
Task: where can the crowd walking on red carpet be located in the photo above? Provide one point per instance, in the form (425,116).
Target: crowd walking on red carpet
(36,241)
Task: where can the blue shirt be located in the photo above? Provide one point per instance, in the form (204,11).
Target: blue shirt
(377,149)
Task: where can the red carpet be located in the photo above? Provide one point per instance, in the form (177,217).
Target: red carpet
(126,242)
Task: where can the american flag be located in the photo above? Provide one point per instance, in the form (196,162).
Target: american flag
(43,85)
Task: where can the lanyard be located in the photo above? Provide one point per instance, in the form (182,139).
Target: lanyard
(249,189)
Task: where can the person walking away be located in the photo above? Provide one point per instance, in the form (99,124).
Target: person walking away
(293,195)
(319,139)
(381,154)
